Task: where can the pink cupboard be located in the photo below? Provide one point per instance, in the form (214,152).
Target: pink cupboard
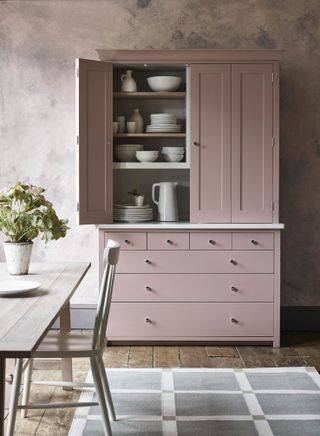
(214,275)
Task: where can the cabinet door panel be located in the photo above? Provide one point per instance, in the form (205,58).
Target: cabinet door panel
(210,132)
(252,143)
(95,141)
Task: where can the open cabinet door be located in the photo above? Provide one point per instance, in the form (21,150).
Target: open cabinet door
(94,127)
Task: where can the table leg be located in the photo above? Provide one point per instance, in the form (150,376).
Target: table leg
(2,393)
(66,363)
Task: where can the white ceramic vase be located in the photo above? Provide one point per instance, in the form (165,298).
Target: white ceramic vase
(128,83)
(18,256)
(136,116)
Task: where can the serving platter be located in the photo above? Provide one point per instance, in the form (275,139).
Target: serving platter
(17,287)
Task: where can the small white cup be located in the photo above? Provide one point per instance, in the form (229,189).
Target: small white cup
(131,127)
(115,125)
(121,119)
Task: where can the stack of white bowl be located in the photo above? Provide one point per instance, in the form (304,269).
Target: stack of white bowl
(127,152)
(164,122)
(172,154)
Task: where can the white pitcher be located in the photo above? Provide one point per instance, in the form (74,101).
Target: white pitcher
(167,203)
(128,83)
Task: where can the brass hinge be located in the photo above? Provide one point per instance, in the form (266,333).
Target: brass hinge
(272,77)
(77,139)
(78,207)
(77,72)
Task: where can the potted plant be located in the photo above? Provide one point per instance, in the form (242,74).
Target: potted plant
(25,214)
(138,197)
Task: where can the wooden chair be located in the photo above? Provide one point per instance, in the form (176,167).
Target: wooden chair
(72,345)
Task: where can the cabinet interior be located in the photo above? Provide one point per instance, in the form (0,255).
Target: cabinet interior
(136,175)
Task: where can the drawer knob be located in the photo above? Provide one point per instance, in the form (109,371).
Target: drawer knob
(254,242)
(126,241)
(148,261)
(195,143)
(233,262)
(148,288)
(234,289)
(211,241)
(148,320)
(169,241)
(234,320)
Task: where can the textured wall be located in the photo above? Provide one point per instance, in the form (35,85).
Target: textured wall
(38,43)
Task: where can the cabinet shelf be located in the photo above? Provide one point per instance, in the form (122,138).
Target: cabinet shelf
(150,165)
(149,95)
(150,135)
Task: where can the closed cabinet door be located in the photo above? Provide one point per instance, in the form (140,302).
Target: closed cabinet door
(210,114)
(94,126)
(252,143)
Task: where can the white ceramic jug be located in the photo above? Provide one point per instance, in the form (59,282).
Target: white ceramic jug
(128,83)
(167,203)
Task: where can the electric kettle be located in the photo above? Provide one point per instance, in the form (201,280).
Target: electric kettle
(167,202)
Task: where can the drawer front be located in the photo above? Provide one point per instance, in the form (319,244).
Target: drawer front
(210,241)
(252,241)
(193,287)
(128,240)
(174,320)
(168,241)
(188,262)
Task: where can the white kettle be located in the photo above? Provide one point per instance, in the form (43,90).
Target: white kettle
(167,203)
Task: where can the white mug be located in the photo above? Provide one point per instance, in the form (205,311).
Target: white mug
(121,119)
(131,127)
(115,125)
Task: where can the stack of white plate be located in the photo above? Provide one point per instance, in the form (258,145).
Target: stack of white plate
(172,154)
(132,214)
(164,122)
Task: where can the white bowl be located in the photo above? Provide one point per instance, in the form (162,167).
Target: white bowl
(126,155)
(173,157)
(173,149)
(147,156)
(164,83)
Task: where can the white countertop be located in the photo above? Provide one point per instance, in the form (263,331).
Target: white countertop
(155,225)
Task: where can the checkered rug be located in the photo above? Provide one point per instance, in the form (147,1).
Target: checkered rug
(198,402)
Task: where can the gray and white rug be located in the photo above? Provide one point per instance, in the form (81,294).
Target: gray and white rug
(205,402)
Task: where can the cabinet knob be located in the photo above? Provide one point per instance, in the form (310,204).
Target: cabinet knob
(148,288)
(169,241)
(233,262)
(234,320)
(211,241)
(126,241)
(148,320)
(254,242)
(234,289)
(195,143)
(148,261)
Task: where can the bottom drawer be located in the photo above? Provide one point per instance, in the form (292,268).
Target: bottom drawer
(174,320)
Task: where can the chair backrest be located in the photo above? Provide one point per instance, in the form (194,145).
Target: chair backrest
(110,260)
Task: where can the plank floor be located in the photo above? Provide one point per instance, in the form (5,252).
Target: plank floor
(298,349)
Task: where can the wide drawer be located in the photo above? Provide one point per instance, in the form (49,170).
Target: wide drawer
(168,241)
(128,240)
(190,262)
(194,287)
(174,320)
(210,241)
(252,241)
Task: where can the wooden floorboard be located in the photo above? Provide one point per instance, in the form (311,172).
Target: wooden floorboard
(298,349)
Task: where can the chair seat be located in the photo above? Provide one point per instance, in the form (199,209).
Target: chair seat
(71,344)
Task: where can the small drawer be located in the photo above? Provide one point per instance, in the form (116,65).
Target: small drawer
(210,241)
(190,320)
(168,241)
(252,241)
(128,241)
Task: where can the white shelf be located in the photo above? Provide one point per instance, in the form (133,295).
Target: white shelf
(150,165)
(156,225)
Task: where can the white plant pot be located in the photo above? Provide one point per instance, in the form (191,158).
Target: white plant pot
(18,256)
(138,200)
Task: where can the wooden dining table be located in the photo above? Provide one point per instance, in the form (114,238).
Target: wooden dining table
(26,319)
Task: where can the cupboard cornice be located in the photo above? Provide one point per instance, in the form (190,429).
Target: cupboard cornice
(188,56)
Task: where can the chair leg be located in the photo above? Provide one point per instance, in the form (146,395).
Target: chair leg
(14,397)
(26,388)
(101,397)
(106,389)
